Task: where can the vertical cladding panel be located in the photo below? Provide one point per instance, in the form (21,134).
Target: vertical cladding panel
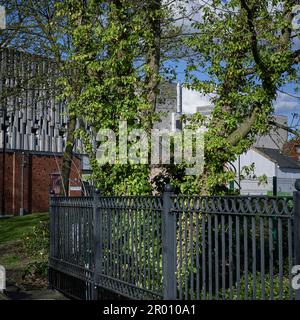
(36,103)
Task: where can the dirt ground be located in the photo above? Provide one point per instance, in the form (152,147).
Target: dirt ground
(18,285)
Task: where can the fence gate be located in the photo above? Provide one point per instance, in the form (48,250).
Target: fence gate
(175,247)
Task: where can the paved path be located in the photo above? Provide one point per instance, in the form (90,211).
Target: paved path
(14,293)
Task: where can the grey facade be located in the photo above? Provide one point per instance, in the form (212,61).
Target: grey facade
(276,138)
(169,106)
(35,119)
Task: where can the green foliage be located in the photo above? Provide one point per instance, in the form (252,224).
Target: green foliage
(36,241)
(108,42)
(36,244)
(124,180)
(115,54)
(37,268)
(245,48)
(253,288)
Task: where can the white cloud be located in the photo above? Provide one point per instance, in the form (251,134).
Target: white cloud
(192,99)
(286,103)
(185,12)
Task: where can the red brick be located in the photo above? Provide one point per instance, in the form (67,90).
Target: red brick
(37,180)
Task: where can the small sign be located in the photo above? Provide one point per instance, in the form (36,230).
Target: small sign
(2,279)
(2,18)
(75,188)
(55,182)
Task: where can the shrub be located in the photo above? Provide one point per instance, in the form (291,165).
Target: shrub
(36,244)
(258,289)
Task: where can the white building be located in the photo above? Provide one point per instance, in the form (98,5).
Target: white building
(169,105)
(280,170)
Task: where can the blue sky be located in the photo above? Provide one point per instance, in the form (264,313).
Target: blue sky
(285,104)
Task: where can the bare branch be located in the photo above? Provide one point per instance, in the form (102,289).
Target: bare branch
(284,127)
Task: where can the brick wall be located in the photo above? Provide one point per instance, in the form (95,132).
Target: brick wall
(27,180)
(290,148)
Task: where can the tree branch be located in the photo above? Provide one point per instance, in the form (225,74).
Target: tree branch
(243,130)
(284,127)
(254,46)
(296,56)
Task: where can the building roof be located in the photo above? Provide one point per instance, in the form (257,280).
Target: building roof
(282,160)
(290,149)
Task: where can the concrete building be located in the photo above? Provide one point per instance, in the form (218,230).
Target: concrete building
(35,119)
(280,170)
(273,157)
(33,132)
(169,105)
(205,110)
(276,138)
(32,135)
(270,160)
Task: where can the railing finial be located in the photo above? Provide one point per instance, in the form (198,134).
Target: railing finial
(97,191)
(168,188)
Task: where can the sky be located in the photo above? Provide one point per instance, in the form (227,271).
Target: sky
(192,99)
(285,104)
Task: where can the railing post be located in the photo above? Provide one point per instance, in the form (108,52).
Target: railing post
(52,237)
(275,186)
(297,229)
(97,239)
(169,247)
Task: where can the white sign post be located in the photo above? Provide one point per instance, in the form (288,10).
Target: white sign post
(2,279)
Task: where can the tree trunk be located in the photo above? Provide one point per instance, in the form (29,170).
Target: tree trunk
(152,74)
(68,156)
(153,58)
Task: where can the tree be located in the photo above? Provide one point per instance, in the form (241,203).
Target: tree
(126,51)
(15,23)
(111,57)
(102,55)
(246,50)
(36,27)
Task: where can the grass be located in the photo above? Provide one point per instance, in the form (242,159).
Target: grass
(12,252)
(12,255)
(13,229)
